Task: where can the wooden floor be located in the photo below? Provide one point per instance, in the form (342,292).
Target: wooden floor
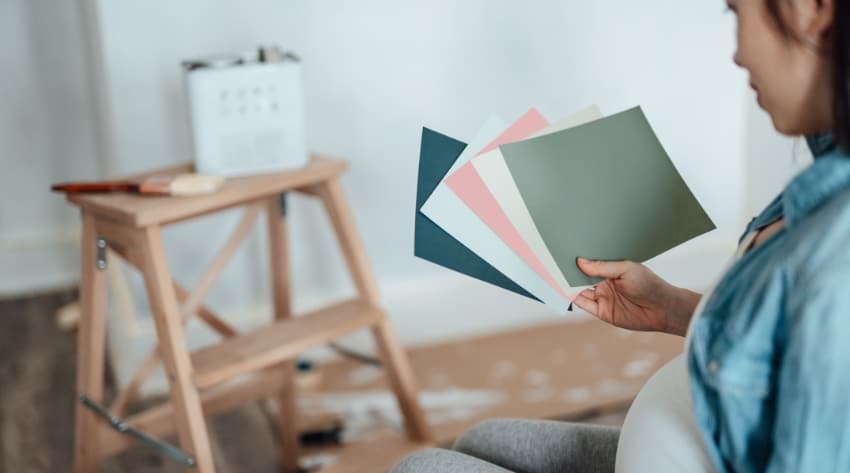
(37,399)
(37,388)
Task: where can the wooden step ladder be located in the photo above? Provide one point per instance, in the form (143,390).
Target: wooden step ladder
(200,382)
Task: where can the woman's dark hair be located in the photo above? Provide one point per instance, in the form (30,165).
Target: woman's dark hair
(840,53)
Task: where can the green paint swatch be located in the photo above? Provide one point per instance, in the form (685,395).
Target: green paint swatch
(604,190)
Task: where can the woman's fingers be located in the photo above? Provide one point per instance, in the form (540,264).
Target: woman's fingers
(586,299)
(603,269)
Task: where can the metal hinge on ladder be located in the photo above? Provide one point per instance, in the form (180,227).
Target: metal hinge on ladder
(100,254)
(118,424)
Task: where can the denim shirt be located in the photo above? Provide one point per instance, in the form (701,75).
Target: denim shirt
(769,358)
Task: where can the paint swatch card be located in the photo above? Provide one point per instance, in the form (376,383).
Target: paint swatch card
(633,204)
(451,214)
(437,154)
(518,205)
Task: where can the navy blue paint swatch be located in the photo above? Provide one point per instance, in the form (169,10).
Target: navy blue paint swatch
(436,156)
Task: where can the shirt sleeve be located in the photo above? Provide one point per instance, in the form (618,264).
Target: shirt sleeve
(812,418)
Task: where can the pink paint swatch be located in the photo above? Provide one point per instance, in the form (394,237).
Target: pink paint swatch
(473,191)
(528,124)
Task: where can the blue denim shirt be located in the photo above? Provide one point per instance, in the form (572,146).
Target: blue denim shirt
(769,358)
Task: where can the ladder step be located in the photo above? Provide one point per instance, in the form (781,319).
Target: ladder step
(282,341)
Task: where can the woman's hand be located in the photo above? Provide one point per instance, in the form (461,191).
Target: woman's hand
(635,298)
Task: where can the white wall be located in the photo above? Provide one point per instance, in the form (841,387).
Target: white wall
(46,135)
(376,72)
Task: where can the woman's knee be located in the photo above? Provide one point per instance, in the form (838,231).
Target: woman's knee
(438,460)
(483,433)
(522,444)
(419,462)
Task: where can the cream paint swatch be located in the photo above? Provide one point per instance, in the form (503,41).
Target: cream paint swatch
(494,172)
(448,211)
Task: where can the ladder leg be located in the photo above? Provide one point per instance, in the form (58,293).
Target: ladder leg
(393,356)
(280,288)
(189,417)
(400,375)
(90,349)
(352,248)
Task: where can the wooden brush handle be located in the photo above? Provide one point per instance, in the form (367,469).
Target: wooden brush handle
(103,186)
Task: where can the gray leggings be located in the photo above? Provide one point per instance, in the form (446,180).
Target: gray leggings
(527,446)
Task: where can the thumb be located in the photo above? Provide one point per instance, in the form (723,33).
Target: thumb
(604,269)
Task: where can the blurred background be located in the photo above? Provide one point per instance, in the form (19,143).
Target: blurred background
(93,89)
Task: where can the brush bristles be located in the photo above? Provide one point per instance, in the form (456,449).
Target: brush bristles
(156,185)
(180,184)
(194,184)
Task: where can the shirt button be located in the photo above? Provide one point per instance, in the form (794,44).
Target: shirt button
(713,366)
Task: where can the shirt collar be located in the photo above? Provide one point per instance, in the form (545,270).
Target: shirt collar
(825,177)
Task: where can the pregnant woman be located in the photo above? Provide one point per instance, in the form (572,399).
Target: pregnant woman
(764,382)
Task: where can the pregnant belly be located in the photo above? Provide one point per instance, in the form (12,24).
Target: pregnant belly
(660,433)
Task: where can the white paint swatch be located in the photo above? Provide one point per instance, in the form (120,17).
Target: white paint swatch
(448,211)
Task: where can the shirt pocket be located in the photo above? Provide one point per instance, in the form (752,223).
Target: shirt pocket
(730,366)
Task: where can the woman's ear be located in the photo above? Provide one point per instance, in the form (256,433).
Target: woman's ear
(814,19)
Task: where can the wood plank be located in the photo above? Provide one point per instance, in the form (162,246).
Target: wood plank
(213,320)
(140,211)
(131,389)
(288,414)
(191,303)
(117,234)
(349,240)
(284,340)
(191,426)
(199,293)
(392,354)
(91,340)
(402,381)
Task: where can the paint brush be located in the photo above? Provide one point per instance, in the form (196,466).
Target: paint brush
(173,184)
